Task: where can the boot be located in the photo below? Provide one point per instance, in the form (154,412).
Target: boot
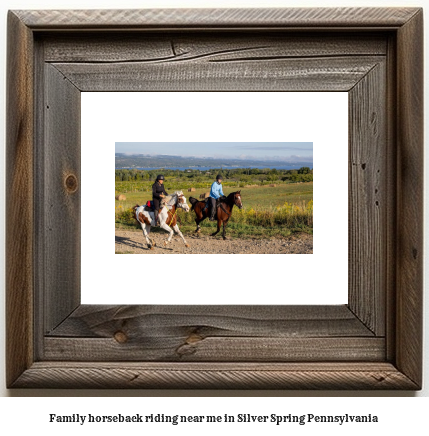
(156,217)
(212,213)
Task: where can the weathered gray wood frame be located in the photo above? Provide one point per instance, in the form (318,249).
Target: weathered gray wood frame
(374,342)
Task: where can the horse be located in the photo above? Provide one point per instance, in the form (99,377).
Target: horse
(223,213)
(167,217)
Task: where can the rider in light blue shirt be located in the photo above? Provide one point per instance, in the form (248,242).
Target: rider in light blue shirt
(215,193)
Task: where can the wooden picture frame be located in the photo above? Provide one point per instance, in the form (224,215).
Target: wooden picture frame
(373,342)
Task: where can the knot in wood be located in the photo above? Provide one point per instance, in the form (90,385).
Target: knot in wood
(193,337)
(71,183)
(120,337)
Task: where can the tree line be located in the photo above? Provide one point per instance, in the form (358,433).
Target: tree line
(243,175)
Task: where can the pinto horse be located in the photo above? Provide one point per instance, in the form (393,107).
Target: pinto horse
(223,212)
(167,217)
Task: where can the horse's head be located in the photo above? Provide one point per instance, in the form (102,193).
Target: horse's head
(181,201)
(237,199)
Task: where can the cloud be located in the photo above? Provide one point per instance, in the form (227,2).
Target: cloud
(271,147)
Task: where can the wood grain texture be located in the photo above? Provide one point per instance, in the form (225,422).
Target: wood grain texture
(391,192)
(215,376)
(168,47)
(409,252)
(368,202)
(194,348)
(61,187)
(39,153)
(213,333)
(99,321)
(330,74)
(207,18)
(19,194)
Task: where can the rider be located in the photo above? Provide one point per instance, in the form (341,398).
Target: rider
(158,193)
(215,193)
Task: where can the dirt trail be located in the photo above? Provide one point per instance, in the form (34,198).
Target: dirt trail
(133,242)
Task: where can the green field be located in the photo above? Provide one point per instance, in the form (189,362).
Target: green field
(267,211)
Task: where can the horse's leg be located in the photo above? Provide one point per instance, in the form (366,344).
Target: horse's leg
(197,222)
(223,232)
(145,234)
(148,231)
(177,230)
(169,230)
(218,228)
(199,217)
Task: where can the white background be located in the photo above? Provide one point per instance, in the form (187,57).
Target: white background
(318,117)
(399,414)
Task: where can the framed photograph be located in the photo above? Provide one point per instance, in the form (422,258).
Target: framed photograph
(57,337)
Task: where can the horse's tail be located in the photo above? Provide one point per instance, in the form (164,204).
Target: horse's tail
(193,201)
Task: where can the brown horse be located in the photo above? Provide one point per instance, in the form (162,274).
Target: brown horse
(223,212)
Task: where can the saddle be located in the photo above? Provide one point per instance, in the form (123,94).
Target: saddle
(149,206)
(218,201)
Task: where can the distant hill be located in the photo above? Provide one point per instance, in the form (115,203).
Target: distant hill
(165,161)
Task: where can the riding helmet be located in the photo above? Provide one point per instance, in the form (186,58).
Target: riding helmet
(160,177)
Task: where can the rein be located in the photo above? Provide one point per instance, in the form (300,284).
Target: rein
(220,205)
(229,214)
(173,214)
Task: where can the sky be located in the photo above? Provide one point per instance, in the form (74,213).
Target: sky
(285,151)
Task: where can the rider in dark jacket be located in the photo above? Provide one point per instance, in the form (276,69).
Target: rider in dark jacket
(158,193)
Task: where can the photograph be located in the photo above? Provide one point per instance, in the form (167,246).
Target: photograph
(214,197)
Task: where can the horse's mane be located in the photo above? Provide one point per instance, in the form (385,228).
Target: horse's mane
(171,199)
(230,195)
